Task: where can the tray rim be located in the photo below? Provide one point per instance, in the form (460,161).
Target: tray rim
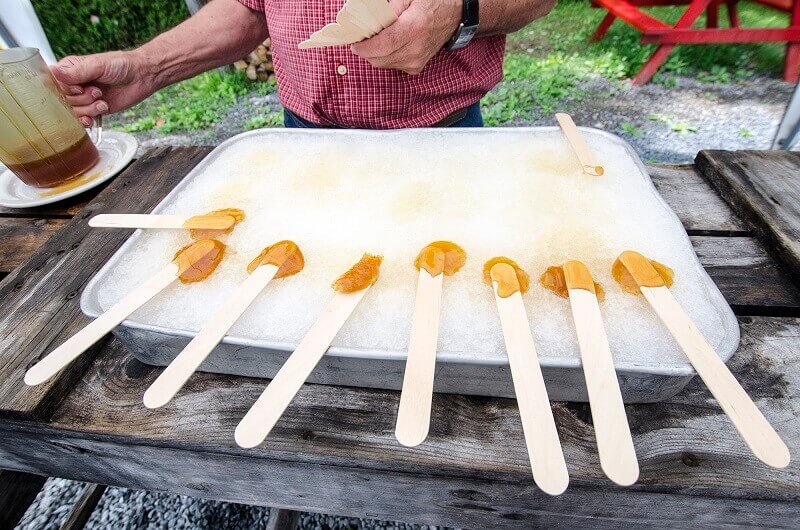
(91,307)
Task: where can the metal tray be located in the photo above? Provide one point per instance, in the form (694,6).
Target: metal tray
(384,369)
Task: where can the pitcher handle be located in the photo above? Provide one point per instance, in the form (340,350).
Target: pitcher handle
(96,130)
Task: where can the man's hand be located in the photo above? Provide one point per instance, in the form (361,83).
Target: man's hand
(102,83)
(422,28)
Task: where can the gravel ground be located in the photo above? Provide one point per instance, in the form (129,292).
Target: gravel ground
(663,124)
(742,115)
(121,508)
(731,116)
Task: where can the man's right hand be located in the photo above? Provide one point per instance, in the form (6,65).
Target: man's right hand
(103,83)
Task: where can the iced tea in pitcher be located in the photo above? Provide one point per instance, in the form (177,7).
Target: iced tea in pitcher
(41,142)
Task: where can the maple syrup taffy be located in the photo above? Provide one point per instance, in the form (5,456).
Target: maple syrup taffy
(198,260)
(441,257)
(553,279)
(284,254)
(509,279)
(360,276)
(229,217)
(632,271)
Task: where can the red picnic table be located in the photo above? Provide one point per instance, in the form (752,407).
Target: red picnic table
(654,31)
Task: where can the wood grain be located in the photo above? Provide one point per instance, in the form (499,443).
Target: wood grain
(40,298)
(212,332)
(763,187)
(750,280)
(265,412)
(21,237)
(350,425)
(472,471)
(695,202)
(756,431)
(64,354)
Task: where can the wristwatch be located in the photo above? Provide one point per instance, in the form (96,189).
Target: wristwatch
(467,28)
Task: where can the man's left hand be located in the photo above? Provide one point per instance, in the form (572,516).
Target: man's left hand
(422,28)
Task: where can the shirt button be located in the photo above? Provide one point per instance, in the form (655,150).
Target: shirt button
(341,69)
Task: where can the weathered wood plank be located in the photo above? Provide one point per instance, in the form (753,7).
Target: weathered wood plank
(763,187)
(465,502)
(748,277)
(22,237)
(472,471)
(40,304)
(349,425)
(694,201)
(17,492)
(83,507)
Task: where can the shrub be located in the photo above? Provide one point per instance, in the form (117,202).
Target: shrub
(76,27)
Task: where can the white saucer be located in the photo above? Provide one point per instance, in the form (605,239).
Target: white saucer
(116,150)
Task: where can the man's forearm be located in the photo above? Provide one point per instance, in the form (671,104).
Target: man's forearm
(220,33)
(507,16)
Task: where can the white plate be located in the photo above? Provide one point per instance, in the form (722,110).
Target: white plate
(116,150)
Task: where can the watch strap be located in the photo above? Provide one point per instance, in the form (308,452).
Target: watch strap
(468,26)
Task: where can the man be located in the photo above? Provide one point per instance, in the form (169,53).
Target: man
(426,69)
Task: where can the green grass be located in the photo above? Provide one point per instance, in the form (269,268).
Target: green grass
(619,54)
(79,27)
(673,124)
(272,119)
(545,68)
(547,60)
(193,104)
(631,130)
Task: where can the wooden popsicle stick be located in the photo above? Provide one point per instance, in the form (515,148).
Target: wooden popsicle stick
(269,407)
(95,330)
(748,420)
(202,222)
(614,441)
(579,147)
(186,363)
(541,437)
(414,412)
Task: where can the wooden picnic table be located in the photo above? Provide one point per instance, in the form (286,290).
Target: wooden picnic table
(666,36)
(334,450)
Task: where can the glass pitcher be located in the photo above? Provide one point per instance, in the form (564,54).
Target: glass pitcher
(41,141)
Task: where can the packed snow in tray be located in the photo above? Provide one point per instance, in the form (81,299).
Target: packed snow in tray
(340,194)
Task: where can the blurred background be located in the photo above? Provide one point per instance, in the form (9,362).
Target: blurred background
(727,96)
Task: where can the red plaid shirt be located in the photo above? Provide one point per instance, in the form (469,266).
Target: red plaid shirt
(334,86)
